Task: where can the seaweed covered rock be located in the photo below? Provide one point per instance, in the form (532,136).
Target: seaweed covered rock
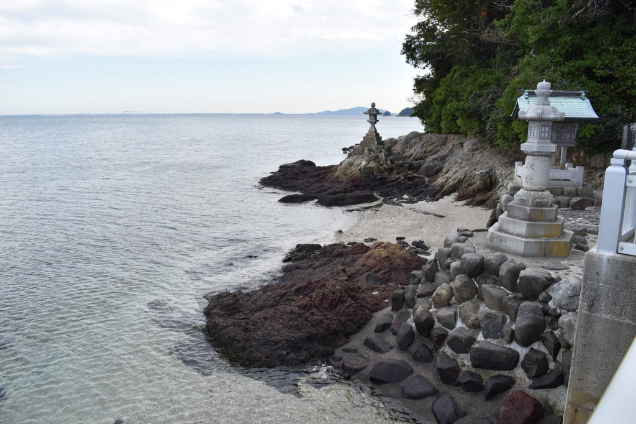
(311,309)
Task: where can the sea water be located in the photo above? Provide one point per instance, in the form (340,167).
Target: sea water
(112,228)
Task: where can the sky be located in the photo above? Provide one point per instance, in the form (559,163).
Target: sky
(203,56)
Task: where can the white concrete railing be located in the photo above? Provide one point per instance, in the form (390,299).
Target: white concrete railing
(618,211)
(568,177)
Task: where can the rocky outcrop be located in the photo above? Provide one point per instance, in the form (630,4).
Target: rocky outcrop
(421,166)
(311,309)
(450,163)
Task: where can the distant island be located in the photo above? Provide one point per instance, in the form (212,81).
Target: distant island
(406,112)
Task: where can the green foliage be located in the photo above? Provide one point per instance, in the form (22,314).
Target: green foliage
(479,56)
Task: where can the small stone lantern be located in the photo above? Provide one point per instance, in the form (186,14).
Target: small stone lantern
(372,138)
(531,226)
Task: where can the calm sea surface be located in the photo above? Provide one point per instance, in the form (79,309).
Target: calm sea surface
(111,230)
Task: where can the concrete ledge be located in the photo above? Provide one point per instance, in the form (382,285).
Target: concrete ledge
(606,327)
(531,229)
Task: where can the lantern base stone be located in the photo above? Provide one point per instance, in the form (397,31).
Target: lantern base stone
(558,247)
(528,213)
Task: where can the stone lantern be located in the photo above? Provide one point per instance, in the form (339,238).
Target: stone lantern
(530,226)
(540,117)
(372,138)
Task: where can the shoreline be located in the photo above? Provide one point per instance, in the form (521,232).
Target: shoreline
(337,284)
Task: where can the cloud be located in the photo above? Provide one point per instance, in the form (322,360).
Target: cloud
(191,27)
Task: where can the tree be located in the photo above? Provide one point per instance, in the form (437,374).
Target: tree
(478,56)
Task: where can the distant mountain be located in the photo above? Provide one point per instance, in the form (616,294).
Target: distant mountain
(406,112)
(353,111)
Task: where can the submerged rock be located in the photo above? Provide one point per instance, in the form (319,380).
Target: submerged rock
(470,382)
(447,368)
(417,387)
(390,371)
(445,410)
(423,353)
(384,323)
(498,384)
(377,343)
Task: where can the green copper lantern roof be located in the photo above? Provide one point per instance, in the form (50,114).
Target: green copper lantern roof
(574,103)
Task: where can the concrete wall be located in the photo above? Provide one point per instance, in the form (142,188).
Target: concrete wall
(605,330)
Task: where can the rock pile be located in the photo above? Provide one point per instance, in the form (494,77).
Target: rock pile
(487,325)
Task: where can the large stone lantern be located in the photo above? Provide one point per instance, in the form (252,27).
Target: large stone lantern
(530,226)
(540,117)
(372,138)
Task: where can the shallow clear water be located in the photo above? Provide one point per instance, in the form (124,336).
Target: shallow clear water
(111,230)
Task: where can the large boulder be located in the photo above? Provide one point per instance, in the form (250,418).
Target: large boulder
(384,323)
(534,363)
(377,343)
(493,296)
(451,239)
(511,305)
(437,337)
(416,277)
(410,296)
(354,364)
(445,410)
(464,288)
(400,318)
(423,319)
(550,380)
(498,384)
(580,203)
(469,313)
(442,296)
(425,290)
(492,356)
(405,336)
(429,270)
(482,280)
(457,268)
(530,323)
(417,387)
(447,316)
(567,324)
(397,300)
(442,277)
(447,368)
(390,371)
(423,353)
(492,264)
(460,340)
(473,264)
(533,281)
(551,343)
(443,255)
(470,382)
(520,408)
(492,323)
(566,293)
(509,274)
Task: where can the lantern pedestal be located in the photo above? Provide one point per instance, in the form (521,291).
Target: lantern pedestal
(531,227)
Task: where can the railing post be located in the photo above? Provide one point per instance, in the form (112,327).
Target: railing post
(611,225)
